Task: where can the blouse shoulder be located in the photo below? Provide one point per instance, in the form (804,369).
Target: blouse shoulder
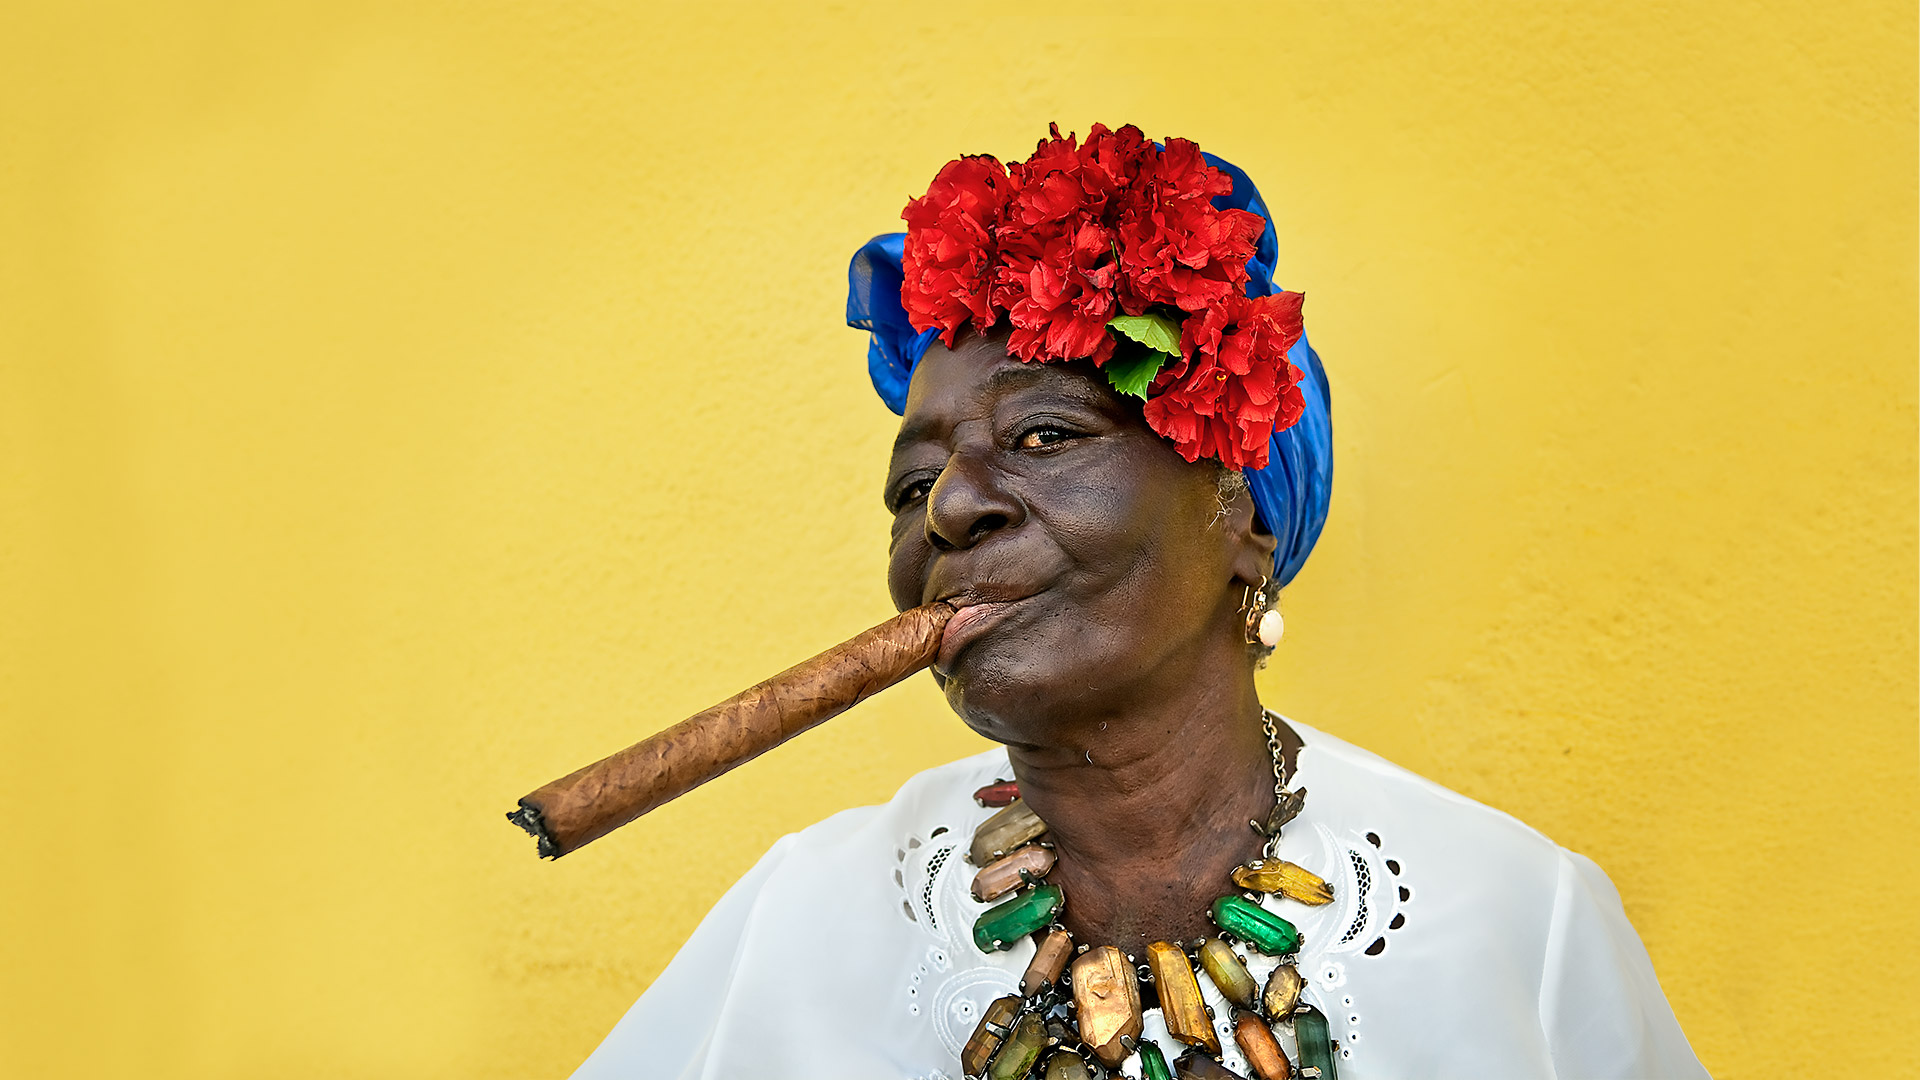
(925,797)
(844,885)
(1472,888)
(1352,770)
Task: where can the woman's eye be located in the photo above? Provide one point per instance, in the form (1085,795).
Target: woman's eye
(1036,438)
(911,493)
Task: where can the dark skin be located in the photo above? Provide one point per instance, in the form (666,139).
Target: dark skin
(1113,661)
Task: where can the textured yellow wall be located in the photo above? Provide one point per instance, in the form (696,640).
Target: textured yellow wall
(401,406)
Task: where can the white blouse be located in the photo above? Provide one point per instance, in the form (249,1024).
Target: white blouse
(1460,943)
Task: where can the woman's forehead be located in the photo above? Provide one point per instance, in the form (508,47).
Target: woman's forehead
(978,370)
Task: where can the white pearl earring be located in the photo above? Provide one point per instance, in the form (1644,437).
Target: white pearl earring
(1271,627)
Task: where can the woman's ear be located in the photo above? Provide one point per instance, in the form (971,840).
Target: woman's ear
(1252,546)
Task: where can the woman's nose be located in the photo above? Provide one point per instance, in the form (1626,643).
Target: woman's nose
(968,504)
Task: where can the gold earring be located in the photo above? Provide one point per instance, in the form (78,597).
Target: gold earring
(1264,624)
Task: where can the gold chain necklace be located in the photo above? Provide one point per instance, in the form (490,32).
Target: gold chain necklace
(1080,1005)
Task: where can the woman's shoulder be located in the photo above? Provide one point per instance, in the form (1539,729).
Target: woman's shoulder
(934,799)
(871,904)
(1409,859)
(884,858)
(1428,884)
(1356,783)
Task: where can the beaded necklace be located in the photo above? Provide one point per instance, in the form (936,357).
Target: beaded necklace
(1080,1005)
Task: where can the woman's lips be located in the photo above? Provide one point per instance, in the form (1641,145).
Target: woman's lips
(967,625)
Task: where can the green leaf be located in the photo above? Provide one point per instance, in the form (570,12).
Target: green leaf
(1133,373)
(1153,330)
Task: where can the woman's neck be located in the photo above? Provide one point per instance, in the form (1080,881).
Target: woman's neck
(1148,808)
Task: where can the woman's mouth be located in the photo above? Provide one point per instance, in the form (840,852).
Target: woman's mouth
(973,620)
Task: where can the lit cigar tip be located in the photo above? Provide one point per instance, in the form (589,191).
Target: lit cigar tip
(528,817)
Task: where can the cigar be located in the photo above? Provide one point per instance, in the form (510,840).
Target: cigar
(589,803)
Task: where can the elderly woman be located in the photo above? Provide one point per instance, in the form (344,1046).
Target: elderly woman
(1114,451)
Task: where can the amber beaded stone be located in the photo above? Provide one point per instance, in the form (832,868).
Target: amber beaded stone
(1315,1043)
(1002,876)
(1004,831)
(1283,992)
(1067,1065)
(1262,1050)
(1291,880)
(1228,972)
(1180,1001)
(1153,1063)
(1049,960)
(995,1022)
(999,793)
(1022,1048)
(1194,1065)
(1106,1002)
(1255,925)
(1000,926)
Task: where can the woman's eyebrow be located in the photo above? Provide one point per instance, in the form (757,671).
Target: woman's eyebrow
(1000,383)
(910,434)
(1016,378)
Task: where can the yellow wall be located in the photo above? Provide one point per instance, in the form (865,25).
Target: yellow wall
(399,408)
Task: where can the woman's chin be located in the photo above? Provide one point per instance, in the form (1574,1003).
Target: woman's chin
(1013,699)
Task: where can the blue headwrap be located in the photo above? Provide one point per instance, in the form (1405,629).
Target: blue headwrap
(1290,494)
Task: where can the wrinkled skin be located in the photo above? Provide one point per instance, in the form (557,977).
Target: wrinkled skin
(1101,637)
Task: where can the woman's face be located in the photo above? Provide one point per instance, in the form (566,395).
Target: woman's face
(1091,561)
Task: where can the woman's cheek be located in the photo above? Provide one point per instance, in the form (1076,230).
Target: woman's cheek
(906,568)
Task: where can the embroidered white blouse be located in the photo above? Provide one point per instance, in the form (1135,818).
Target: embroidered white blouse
(1460,943)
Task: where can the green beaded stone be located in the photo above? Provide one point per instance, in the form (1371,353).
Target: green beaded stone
(1153,1064)
(1256,926)
(1000,926)
(1315,1042)
(1022,1048)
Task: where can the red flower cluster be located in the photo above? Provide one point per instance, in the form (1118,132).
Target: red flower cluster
(949,250)
(1233,387)
(1175,247)
(1057,244)
(1082,232)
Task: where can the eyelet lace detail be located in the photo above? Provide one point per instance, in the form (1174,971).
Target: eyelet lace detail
(934,866)
(952,983)
(1363,884)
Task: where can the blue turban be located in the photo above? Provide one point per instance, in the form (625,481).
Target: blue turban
(1290,494)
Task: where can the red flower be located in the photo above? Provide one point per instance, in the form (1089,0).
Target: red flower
(1234,388)
(949,250)
(1056,280)
(1059,301)
(1175,247)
